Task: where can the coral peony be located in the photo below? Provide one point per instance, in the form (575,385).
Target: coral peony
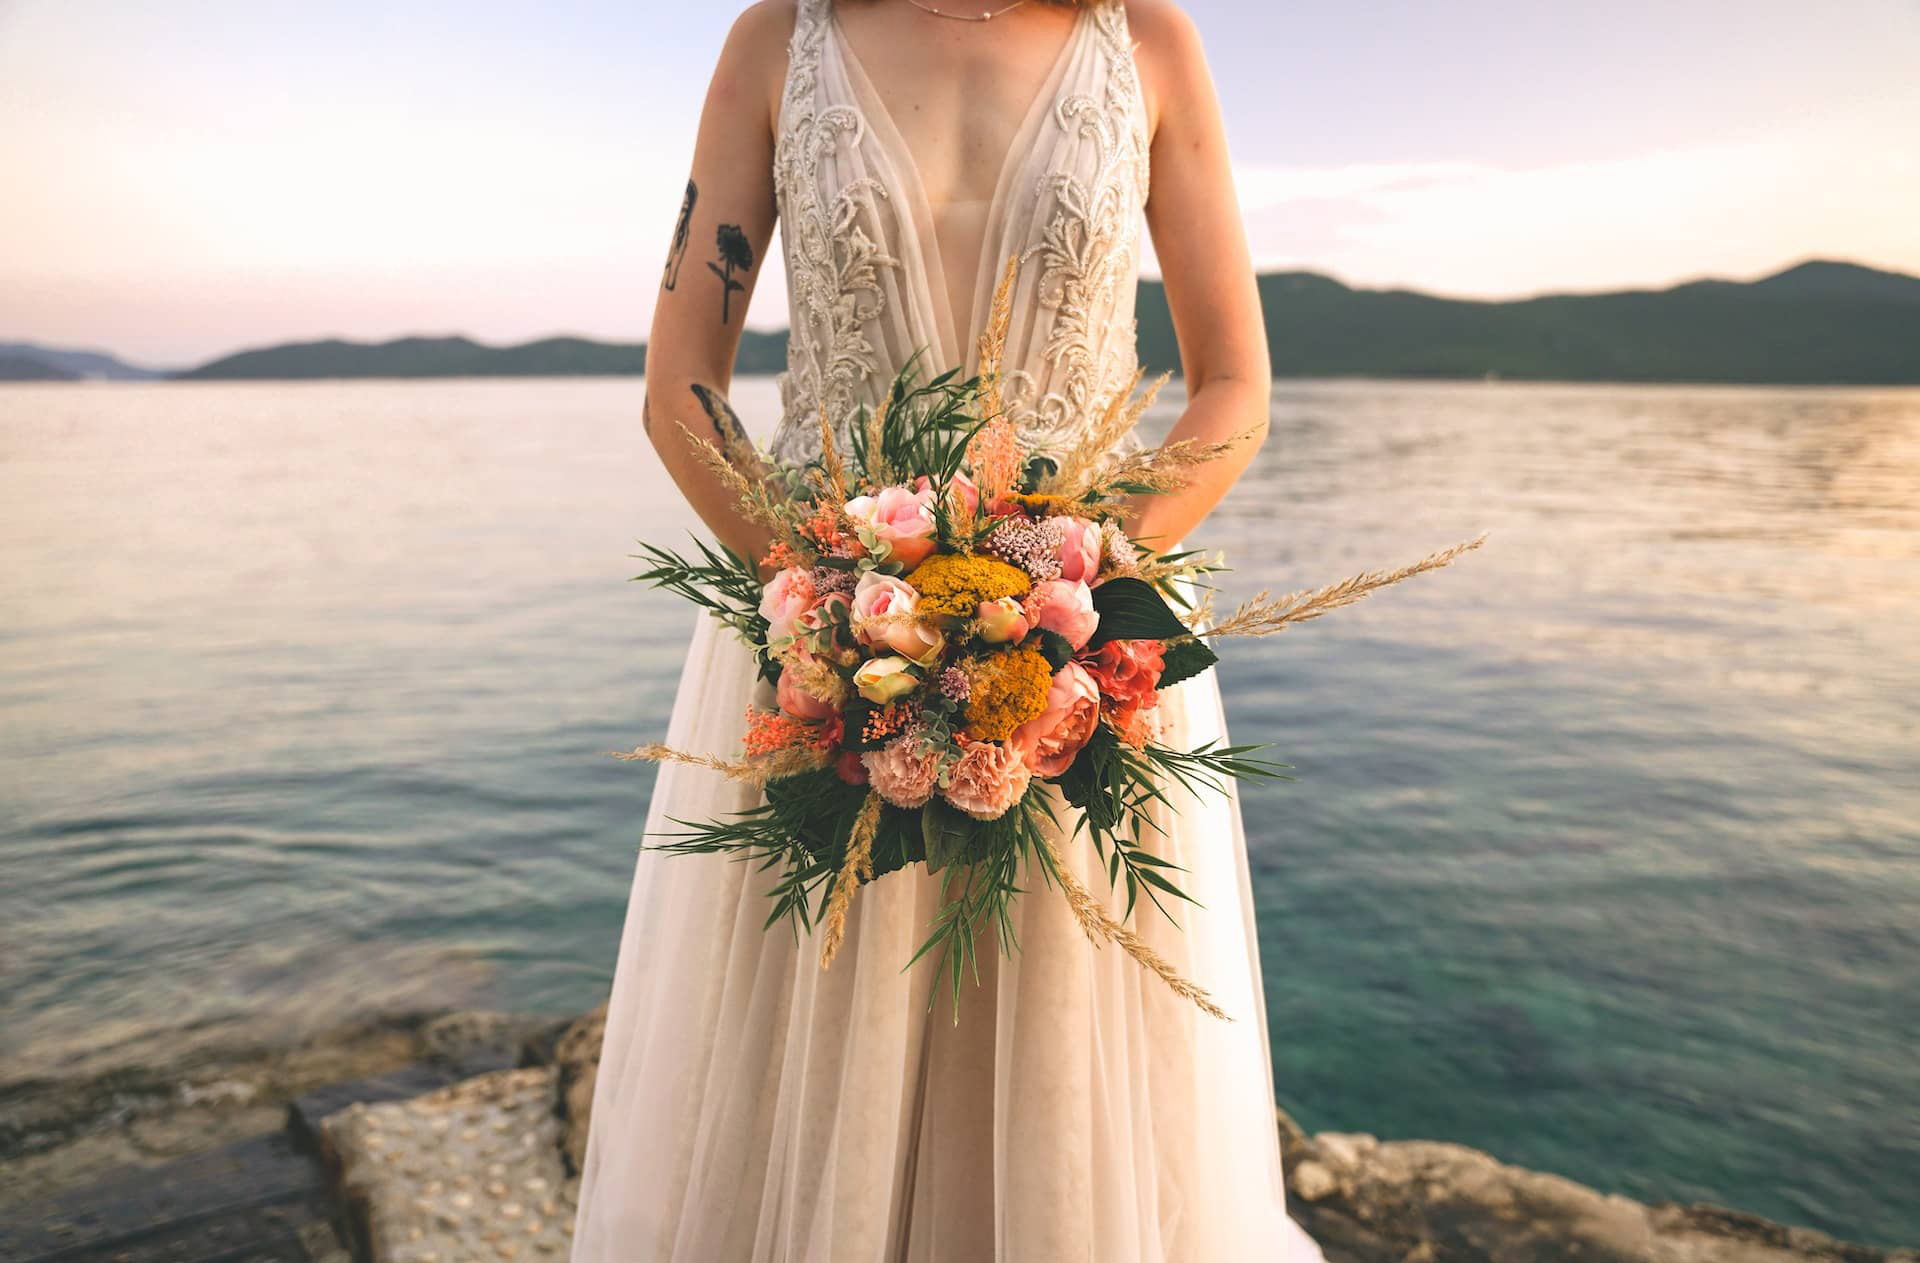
(1050,740)
(1128,672)
(904,771)
(900,518)
(788,597)
(1064,606)
(987,780)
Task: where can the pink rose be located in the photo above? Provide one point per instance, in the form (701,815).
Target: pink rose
(788,597)
(1049,741)
(1003,621)
(987,780)
(883,616)
(960,491)
(796,700)
(904,771)
(1080,547)
(1064,606)
(899,517)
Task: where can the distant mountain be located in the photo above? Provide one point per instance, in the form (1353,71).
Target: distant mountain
(17,361)
(1819,322)
(463,357)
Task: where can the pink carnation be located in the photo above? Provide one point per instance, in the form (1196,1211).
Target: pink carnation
(988,779)
(904,771)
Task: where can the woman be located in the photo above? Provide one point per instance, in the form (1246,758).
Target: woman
(749,1105)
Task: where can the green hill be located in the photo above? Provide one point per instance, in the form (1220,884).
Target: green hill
(1816,323)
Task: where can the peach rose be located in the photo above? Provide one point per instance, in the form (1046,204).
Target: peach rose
(1003,621)
(796,700)
(904,771)
(987,780)
(900,518)
(1080,547)
(883,680)
(788,597)
(883,608)
(1064,606)
(1049,741)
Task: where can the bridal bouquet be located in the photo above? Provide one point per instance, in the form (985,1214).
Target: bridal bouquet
(956,625)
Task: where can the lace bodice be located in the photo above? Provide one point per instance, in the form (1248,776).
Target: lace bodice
(864,288)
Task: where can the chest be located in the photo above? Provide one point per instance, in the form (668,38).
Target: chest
(959,93)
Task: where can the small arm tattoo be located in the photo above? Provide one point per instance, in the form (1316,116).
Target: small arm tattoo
(726,422)
(735,252)
(682,229)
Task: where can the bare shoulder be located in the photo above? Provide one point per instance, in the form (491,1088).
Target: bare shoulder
(754,58)
(1168,51)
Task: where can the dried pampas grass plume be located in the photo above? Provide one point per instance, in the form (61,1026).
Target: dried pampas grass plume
(1100,926)
(993,340)
(758,771)
(858,868)
(1265,615)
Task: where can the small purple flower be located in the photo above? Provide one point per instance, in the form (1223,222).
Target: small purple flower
(1025,545)
(953,684)
(828,579)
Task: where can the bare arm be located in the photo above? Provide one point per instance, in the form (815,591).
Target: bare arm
(1194,217)
(726,219)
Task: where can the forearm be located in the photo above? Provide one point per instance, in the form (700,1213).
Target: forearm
(1220,410)
(679,411)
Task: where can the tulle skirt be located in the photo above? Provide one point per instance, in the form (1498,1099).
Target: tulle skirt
(753,1108)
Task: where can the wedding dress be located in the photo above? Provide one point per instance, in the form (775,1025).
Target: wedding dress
(753,1108)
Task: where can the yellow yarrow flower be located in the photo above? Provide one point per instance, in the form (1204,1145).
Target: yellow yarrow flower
(1005,690)
(955,586)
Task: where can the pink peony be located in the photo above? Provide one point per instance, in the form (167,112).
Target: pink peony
(1003,621)
(960,491)
(1064,606)
(795,700)
(788,597)
(1128,672)
(1049,741)
(900,518)
(904,771)
(987,780)
(1080,547)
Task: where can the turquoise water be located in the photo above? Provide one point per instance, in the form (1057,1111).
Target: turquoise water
(1605,854)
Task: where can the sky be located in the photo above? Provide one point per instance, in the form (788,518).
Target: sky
(185,180)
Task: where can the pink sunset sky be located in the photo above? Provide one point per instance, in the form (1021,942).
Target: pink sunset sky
(187,180)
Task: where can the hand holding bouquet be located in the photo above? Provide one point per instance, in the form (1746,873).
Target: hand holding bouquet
(962,640)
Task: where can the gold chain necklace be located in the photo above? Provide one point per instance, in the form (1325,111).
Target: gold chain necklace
(966,17)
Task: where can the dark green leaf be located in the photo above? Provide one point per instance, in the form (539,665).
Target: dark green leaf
(1131,610)
(1185,659)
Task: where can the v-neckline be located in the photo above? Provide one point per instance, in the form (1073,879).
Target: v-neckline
(880,117)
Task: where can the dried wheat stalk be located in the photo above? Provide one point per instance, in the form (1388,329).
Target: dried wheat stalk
(1266,614)
(857,869)
(993,340)
(755,502)
(1099,925)
(788,762)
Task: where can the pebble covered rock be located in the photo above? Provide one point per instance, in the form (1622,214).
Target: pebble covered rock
(470,1173)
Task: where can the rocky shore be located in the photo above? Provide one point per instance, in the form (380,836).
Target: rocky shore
(444,1138)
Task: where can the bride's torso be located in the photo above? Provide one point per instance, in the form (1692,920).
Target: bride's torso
(899,206)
